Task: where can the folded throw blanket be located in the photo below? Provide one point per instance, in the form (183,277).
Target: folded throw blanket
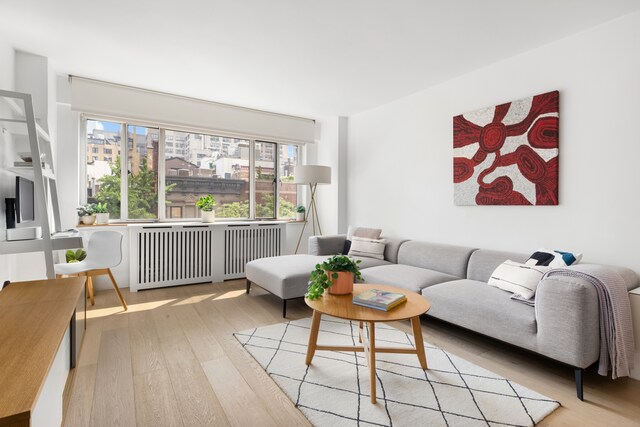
(616,327)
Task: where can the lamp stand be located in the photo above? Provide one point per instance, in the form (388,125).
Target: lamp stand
(312,212)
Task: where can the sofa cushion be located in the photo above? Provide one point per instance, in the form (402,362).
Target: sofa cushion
(284,276)
(447,259)
(483,262)
(405,276)
(485,309)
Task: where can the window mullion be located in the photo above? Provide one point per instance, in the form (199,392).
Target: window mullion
(276,182)
(124,173)
(161,169)
(252,179)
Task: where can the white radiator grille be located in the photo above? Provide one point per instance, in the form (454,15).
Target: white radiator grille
(173,256)
(244,243)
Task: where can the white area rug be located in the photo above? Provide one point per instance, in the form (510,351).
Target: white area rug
(334,390)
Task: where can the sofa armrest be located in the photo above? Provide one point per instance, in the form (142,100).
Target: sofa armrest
(567,315)
(326,245)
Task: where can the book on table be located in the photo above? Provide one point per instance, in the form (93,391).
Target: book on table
(379,300)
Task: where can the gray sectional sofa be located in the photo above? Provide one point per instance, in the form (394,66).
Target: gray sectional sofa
(564,325)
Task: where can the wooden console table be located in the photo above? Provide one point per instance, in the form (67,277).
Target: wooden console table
(42,324)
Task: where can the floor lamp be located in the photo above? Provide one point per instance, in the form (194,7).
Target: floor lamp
(311,175)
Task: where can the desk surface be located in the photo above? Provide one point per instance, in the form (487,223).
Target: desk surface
(34,317)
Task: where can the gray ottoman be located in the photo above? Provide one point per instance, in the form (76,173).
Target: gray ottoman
(284,276)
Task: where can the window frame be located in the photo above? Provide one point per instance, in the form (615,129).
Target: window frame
(161,168)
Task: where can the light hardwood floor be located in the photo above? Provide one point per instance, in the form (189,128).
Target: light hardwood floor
(172,360)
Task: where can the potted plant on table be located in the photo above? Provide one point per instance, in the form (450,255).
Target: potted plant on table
(75,256)
(86,213)
(206,205)
(300,211)
(102,214)
(337,274)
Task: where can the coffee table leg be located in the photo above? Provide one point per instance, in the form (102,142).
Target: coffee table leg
(360,333)
(372,360)
(313,336)
(417,337)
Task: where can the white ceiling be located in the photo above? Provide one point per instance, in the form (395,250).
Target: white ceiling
(310,58)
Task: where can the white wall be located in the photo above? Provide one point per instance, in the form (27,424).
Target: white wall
(330,150)
(7,186)
(400,176)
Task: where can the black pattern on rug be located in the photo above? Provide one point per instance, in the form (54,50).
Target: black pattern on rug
(333,390)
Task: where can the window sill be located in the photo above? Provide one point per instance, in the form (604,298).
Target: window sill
(188,223)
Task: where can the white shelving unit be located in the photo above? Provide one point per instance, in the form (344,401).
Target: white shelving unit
(18,119)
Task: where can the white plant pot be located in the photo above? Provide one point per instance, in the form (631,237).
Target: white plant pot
(300,216)
(88,219)
(208,216)
(102,218)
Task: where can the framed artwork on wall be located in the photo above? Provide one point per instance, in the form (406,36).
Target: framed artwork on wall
(508,154)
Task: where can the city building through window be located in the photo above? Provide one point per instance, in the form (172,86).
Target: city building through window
(192,165)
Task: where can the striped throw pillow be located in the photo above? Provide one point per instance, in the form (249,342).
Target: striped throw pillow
(369,248)
(520,279)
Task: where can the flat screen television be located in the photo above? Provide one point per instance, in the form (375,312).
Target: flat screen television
(24,200)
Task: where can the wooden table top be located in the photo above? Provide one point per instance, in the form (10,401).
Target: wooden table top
(33,319)
(342,306)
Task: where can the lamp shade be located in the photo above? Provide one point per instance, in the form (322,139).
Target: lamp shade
(312,174)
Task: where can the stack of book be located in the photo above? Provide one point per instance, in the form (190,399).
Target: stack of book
(379,300)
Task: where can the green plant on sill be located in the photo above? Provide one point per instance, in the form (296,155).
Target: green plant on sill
(320,280)
(75,256)
(100,208)
(86,210)
(300,209)
(206,203)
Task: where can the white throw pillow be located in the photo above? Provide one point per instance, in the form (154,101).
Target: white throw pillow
(521,279)
(369,248)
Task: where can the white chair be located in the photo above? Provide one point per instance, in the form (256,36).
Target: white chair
(103,253)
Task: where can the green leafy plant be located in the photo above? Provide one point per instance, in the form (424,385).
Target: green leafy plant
(100,208)
(75,256)
(86,210)
(320,280)
(206,203)
(300,209)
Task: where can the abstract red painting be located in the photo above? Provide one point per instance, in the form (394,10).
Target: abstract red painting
(508,154)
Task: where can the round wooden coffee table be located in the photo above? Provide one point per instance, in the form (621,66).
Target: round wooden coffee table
(341,306)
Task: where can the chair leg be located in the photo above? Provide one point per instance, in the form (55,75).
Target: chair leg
(578,374)
(115,286)
(248,285)
(90,287)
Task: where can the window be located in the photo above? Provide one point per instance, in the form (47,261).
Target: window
(206,166)
(194,165)
(142,172)
(288,200)
(265,173)
(103,175)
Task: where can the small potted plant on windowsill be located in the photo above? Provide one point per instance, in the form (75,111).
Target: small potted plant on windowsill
(206,205)
(86,213)
(300,211)
(102,214)
(337,274)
